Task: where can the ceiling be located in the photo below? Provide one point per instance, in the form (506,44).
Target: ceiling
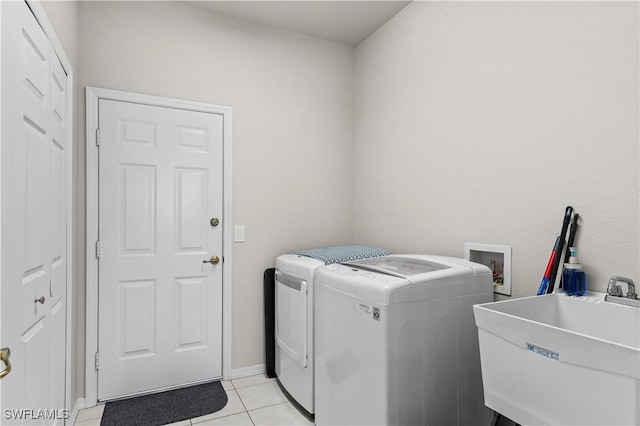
(347,22)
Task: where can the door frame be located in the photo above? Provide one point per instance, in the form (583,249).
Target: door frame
(93,95)
(47,28)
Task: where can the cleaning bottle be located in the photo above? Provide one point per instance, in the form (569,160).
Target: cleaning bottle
(573,276)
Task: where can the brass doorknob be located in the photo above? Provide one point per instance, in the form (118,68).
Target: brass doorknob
(214,260)
(214,221)
(5,353)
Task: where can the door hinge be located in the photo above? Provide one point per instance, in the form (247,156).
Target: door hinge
(97,361)
(97,137)
(98,249)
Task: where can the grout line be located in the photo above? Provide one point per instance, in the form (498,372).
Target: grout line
(271,405)
(251,418)
(279,403)
(242,402)
(245,407)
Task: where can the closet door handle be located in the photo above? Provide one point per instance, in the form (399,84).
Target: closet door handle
(214,260)
(5,353)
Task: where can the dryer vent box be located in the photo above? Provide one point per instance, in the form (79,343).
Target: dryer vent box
(495,257)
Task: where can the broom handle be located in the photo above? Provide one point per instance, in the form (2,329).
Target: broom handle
(563,235)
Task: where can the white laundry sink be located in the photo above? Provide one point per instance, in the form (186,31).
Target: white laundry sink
(561,360)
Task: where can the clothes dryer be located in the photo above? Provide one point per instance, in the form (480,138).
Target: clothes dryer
(396,342)
(294,311)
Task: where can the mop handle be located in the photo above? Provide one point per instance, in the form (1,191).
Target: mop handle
(563,234)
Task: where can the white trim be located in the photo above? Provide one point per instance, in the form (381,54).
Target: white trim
(92,96)
(91,264)
(43,20)
(227,246)
(79,405)
(252,370)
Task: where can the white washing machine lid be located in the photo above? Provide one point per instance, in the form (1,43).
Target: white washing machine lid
(406,278)
(399,266)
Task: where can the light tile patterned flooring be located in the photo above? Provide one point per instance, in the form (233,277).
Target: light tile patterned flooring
(254,400)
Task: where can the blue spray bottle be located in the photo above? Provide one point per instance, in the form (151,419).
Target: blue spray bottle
(573,277)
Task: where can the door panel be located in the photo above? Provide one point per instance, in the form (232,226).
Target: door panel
(136,316)
(36,346)
(190,313)
(138,189)
(160,306)
(34,234)
(191,210)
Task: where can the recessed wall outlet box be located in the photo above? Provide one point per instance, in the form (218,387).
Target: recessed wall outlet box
(497,258)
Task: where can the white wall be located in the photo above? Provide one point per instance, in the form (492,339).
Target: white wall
(482,121)
(292,100)
(63,16)
(473,122)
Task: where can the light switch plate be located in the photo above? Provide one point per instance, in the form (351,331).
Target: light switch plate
(238,232)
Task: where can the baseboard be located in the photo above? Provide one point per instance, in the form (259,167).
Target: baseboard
(79,405)
(252,370)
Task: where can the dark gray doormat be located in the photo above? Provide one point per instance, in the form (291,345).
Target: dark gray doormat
(166,407)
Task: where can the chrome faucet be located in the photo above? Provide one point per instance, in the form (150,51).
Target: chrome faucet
(615,290)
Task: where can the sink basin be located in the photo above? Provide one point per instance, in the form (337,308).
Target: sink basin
(561,360)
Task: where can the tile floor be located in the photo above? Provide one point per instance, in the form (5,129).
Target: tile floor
(254,400)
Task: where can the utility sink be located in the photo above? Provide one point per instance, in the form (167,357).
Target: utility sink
(561,360)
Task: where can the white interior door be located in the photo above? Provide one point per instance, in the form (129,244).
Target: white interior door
(34,234)
(160,195)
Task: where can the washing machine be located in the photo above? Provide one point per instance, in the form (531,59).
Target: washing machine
(294,310)
(396,343)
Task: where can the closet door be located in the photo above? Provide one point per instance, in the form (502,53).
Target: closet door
(33,225)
